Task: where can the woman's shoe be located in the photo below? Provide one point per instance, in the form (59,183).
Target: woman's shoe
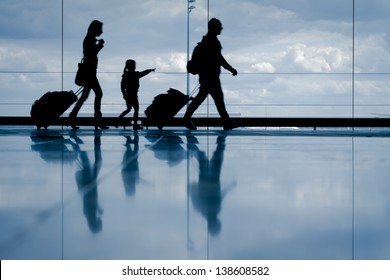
(190,125)
(119,121)
(98,122)
(72,123)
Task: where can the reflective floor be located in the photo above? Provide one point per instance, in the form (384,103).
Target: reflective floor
(209,194)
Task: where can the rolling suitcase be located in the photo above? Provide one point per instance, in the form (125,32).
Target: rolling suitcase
(51,106)
(165,106)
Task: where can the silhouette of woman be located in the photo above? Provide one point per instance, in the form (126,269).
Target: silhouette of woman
(91,48)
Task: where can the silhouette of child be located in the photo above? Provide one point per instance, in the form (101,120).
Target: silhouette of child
(129,88)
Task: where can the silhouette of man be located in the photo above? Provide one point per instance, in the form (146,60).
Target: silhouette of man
(209,72)
(91,48)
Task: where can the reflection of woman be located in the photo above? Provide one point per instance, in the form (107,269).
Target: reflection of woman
(91,48)
(86,179)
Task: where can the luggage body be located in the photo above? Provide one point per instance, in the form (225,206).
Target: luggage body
(165,106)
(51,106)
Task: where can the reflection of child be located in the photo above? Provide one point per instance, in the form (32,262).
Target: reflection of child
(129,88)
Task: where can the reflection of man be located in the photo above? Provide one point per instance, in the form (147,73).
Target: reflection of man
(207,195)
(86,179)
(130,168)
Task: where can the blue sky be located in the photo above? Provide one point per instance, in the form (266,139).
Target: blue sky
(287,52)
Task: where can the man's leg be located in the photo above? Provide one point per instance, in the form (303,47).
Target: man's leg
(195,103)
(218,97)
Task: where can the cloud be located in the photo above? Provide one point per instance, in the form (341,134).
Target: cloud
(175,62)
(316,59)
(372,53)
(265,67)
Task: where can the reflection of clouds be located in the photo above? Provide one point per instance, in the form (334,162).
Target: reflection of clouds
(297,199)
(294,199)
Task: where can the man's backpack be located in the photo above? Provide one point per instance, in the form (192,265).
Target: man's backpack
(194,65)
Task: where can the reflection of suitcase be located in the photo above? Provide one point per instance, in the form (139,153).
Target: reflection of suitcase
(51,106)
(165,106)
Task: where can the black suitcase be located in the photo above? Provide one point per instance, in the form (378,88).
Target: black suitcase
(165,106)
(51,106)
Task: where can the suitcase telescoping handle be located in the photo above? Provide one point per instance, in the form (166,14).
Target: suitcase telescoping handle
(80,90)
(192,93)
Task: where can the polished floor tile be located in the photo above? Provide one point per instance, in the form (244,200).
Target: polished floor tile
(209,194)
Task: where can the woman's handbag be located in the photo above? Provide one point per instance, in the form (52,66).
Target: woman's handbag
(81,75)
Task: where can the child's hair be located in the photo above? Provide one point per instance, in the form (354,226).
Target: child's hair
(130,64)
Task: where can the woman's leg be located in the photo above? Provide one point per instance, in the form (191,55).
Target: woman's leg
(76,108)
(97,105)
(98,98)
(80,102)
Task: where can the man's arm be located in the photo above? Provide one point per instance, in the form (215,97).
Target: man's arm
(227,66)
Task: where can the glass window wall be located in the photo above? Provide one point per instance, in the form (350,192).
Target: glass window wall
(295,59)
